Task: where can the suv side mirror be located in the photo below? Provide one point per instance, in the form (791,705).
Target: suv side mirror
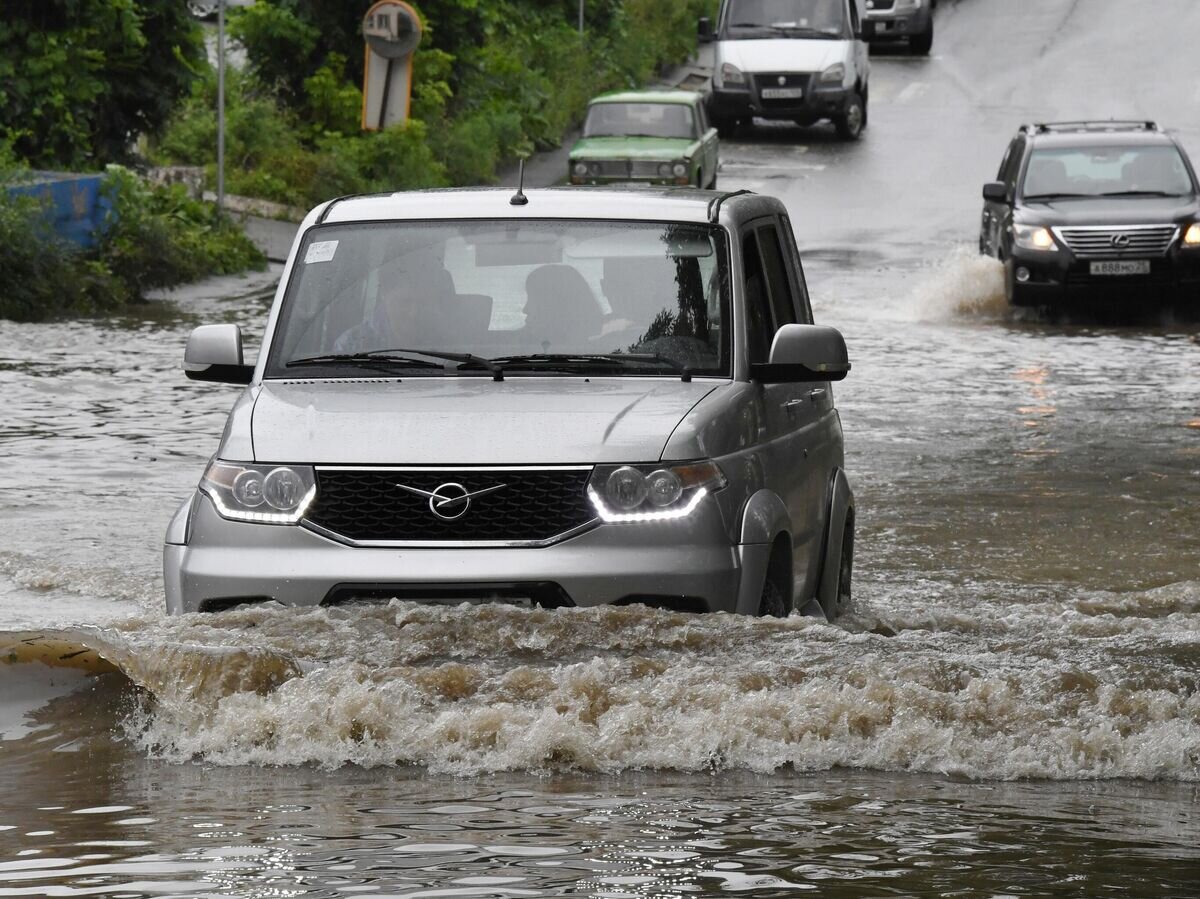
(995,192)
(214,353)
(802,353)
(704,30)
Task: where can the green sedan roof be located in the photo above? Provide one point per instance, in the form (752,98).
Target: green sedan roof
(683,97)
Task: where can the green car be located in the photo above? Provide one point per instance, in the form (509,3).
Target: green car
(650,137)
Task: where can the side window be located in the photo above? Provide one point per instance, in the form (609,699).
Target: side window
(759,330)
(779,285)
(803,305)
(854,16)
(701,119)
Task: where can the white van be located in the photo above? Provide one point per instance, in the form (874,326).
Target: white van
(803,60)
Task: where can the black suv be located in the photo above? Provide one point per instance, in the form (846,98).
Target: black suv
(1094,211)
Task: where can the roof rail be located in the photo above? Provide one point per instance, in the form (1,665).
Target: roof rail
(1091,125)
(714,208)
(325,212)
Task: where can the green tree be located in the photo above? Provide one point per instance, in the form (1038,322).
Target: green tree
(80,79)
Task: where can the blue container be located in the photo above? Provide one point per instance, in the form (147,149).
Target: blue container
(74,202)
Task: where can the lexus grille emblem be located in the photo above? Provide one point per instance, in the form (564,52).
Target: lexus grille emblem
(450,501)
(1121,241)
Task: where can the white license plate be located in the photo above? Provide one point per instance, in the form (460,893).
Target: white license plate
(1124,267)
(782,93)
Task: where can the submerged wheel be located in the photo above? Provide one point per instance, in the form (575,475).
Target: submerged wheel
(845,569)
(773,604)
(853,119)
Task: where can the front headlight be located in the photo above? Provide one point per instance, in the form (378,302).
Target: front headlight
(1192,237)
(664,169)
(580,169)
(836,73)
(632,493)
(1033,237)
(265,494)
(731,74)
(679,169)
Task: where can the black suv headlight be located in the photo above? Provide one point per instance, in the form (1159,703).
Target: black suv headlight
(264,494)
(629,493)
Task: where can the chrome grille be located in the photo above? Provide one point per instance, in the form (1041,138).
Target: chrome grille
(644,168)
(611,168)
(1116,242)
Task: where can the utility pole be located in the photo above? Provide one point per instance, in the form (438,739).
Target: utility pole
(220,105)
(581,2)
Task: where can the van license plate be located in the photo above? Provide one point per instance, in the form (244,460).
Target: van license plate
(782,93)
(1125,267)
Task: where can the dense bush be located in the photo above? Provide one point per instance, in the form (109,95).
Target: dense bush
(80,79)
(158,237)
(492,80)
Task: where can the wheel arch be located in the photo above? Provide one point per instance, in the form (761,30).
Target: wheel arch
(765,521)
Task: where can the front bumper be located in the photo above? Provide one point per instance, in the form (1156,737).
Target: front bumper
(818,102)
(1063,279)
(689,564)
(890,26)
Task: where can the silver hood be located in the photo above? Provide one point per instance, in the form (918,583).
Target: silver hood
(470,421)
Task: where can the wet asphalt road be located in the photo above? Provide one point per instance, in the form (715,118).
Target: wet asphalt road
(1011,708)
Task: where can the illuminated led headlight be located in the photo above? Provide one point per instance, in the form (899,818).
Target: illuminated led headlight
(630,493)
(1192,237)
(1032,237)
(264,494)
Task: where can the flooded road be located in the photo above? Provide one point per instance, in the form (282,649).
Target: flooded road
(1012,706)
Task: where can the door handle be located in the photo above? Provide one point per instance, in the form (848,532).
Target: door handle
(817,394)
(793,406)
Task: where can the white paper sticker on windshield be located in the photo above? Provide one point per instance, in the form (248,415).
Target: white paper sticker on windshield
(321,251)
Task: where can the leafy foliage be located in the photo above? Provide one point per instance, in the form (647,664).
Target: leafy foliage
(79,79)
(493,79)
(158,237)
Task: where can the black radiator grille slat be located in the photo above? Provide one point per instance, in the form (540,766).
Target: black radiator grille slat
(365,505)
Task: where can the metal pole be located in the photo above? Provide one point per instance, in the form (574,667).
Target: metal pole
(221,105)
(581,2)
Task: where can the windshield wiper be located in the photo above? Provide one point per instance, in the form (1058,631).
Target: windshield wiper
(586,360)
(1033,198)
(1139,193)
(380,361)
(396,357)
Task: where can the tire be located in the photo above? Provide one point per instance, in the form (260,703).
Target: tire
(774,601)
(921,44)
(712,185)
(850,123)
(845,570)
(772,604)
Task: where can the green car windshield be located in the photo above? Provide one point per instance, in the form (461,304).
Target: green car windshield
(667,120)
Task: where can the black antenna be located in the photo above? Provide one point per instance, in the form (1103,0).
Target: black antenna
(519,198)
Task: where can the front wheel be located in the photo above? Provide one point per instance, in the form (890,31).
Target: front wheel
(921,44)
(853,119)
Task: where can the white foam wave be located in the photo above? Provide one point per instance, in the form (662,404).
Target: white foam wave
(963,285)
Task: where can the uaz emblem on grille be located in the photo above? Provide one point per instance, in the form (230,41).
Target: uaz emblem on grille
(450,501)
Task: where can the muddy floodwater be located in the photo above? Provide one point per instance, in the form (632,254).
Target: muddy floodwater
(1011,707)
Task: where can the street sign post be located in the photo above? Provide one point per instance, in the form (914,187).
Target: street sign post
(392,31)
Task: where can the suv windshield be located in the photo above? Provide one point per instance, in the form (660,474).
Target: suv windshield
(804,17)
(435,299)
(640,120)
(1107,171)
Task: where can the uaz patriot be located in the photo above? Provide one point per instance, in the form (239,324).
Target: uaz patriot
(570,397)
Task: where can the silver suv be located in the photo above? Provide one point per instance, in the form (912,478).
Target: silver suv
(570,398)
